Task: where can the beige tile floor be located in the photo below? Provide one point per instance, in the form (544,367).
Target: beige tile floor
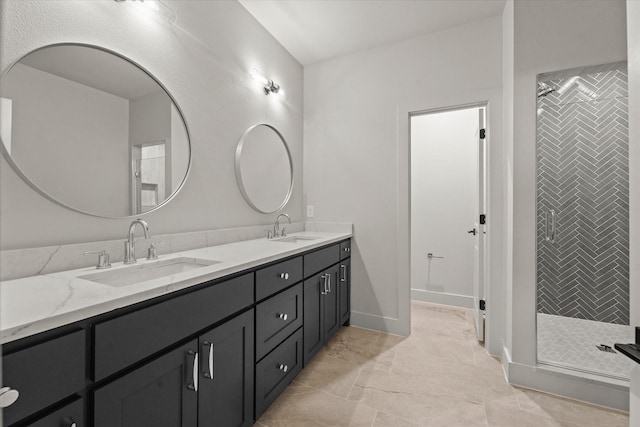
(439,376)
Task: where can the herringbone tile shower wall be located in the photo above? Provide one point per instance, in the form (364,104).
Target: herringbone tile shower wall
(583,174)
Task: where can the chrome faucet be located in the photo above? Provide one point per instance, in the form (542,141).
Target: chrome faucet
(129,247)
(276,226)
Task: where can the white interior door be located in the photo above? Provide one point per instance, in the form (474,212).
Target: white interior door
(444,205)
(480,229)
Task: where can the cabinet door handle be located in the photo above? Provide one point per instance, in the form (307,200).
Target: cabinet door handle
(323,290)
(284,276)
(194,371)
(209,346)
(328,282)
(283,367)
(283,316)
(347,249)
(344,273)
(8,396)
(550,226)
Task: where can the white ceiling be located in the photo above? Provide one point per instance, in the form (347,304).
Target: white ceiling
(315,30)
(94,68)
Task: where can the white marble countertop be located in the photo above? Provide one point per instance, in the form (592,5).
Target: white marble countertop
(39,303)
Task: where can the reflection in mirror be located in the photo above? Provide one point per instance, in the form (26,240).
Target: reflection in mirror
(92,131)
(264,169)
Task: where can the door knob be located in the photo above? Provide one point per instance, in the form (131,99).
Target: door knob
(472,231)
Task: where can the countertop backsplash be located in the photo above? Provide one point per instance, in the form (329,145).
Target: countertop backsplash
(15,264)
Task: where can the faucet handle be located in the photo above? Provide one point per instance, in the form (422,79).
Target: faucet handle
(152,252)
(103,258)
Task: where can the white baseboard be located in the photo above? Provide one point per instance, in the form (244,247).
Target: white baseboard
(388,325)
(592,389)
(454,300)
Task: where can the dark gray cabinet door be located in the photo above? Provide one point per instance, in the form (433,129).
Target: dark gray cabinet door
(344,285)
(331,307)
(161,393)
(44,374)
(313,297)
(226,374)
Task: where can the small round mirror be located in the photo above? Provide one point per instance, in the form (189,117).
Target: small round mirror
(264,169)
(92,131)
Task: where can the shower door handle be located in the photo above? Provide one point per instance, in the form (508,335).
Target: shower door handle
(550,226)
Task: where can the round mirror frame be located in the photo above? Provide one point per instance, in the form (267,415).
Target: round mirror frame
(239,171)
(43,193)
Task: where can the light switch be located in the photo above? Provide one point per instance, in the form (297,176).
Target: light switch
(309,211)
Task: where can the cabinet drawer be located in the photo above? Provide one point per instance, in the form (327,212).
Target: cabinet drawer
(274,278)
(345,249)
(321,259)
(277,370)
(277,318)
(127,339)
(44,374)
(65,416)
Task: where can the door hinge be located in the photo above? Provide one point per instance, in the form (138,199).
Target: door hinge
(483,133)
(482,305)
(483,219)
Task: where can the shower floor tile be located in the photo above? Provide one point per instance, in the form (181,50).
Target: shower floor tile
(571,343)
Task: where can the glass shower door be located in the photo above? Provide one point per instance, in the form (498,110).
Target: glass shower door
(583,219)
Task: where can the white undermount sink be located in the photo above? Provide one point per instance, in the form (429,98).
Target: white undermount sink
(144,271)
(295,239)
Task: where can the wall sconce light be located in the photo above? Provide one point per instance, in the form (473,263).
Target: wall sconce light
(155,8)
(268,85)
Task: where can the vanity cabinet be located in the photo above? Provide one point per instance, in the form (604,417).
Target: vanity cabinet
(126,339)
(206,382)
(215,354)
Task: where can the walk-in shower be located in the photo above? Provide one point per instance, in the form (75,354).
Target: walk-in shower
(583,219)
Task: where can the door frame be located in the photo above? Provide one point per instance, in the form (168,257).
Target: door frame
(484,253)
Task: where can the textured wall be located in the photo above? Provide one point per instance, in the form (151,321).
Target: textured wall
(583,175)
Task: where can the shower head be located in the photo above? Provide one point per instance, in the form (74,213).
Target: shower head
(545,92)
(544,89)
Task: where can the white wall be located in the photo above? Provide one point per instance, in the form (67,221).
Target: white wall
(547,36)
(96,175)
(633,49)
(204,62)
(444,205)
(357,148)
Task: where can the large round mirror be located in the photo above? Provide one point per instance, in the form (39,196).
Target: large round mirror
(93,131)
(264,169)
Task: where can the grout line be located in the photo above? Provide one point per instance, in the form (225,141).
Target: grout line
(354,384)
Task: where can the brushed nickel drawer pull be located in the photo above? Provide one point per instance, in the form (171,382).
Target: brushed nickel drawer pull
(283,367)
(283,316)
(284,276)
